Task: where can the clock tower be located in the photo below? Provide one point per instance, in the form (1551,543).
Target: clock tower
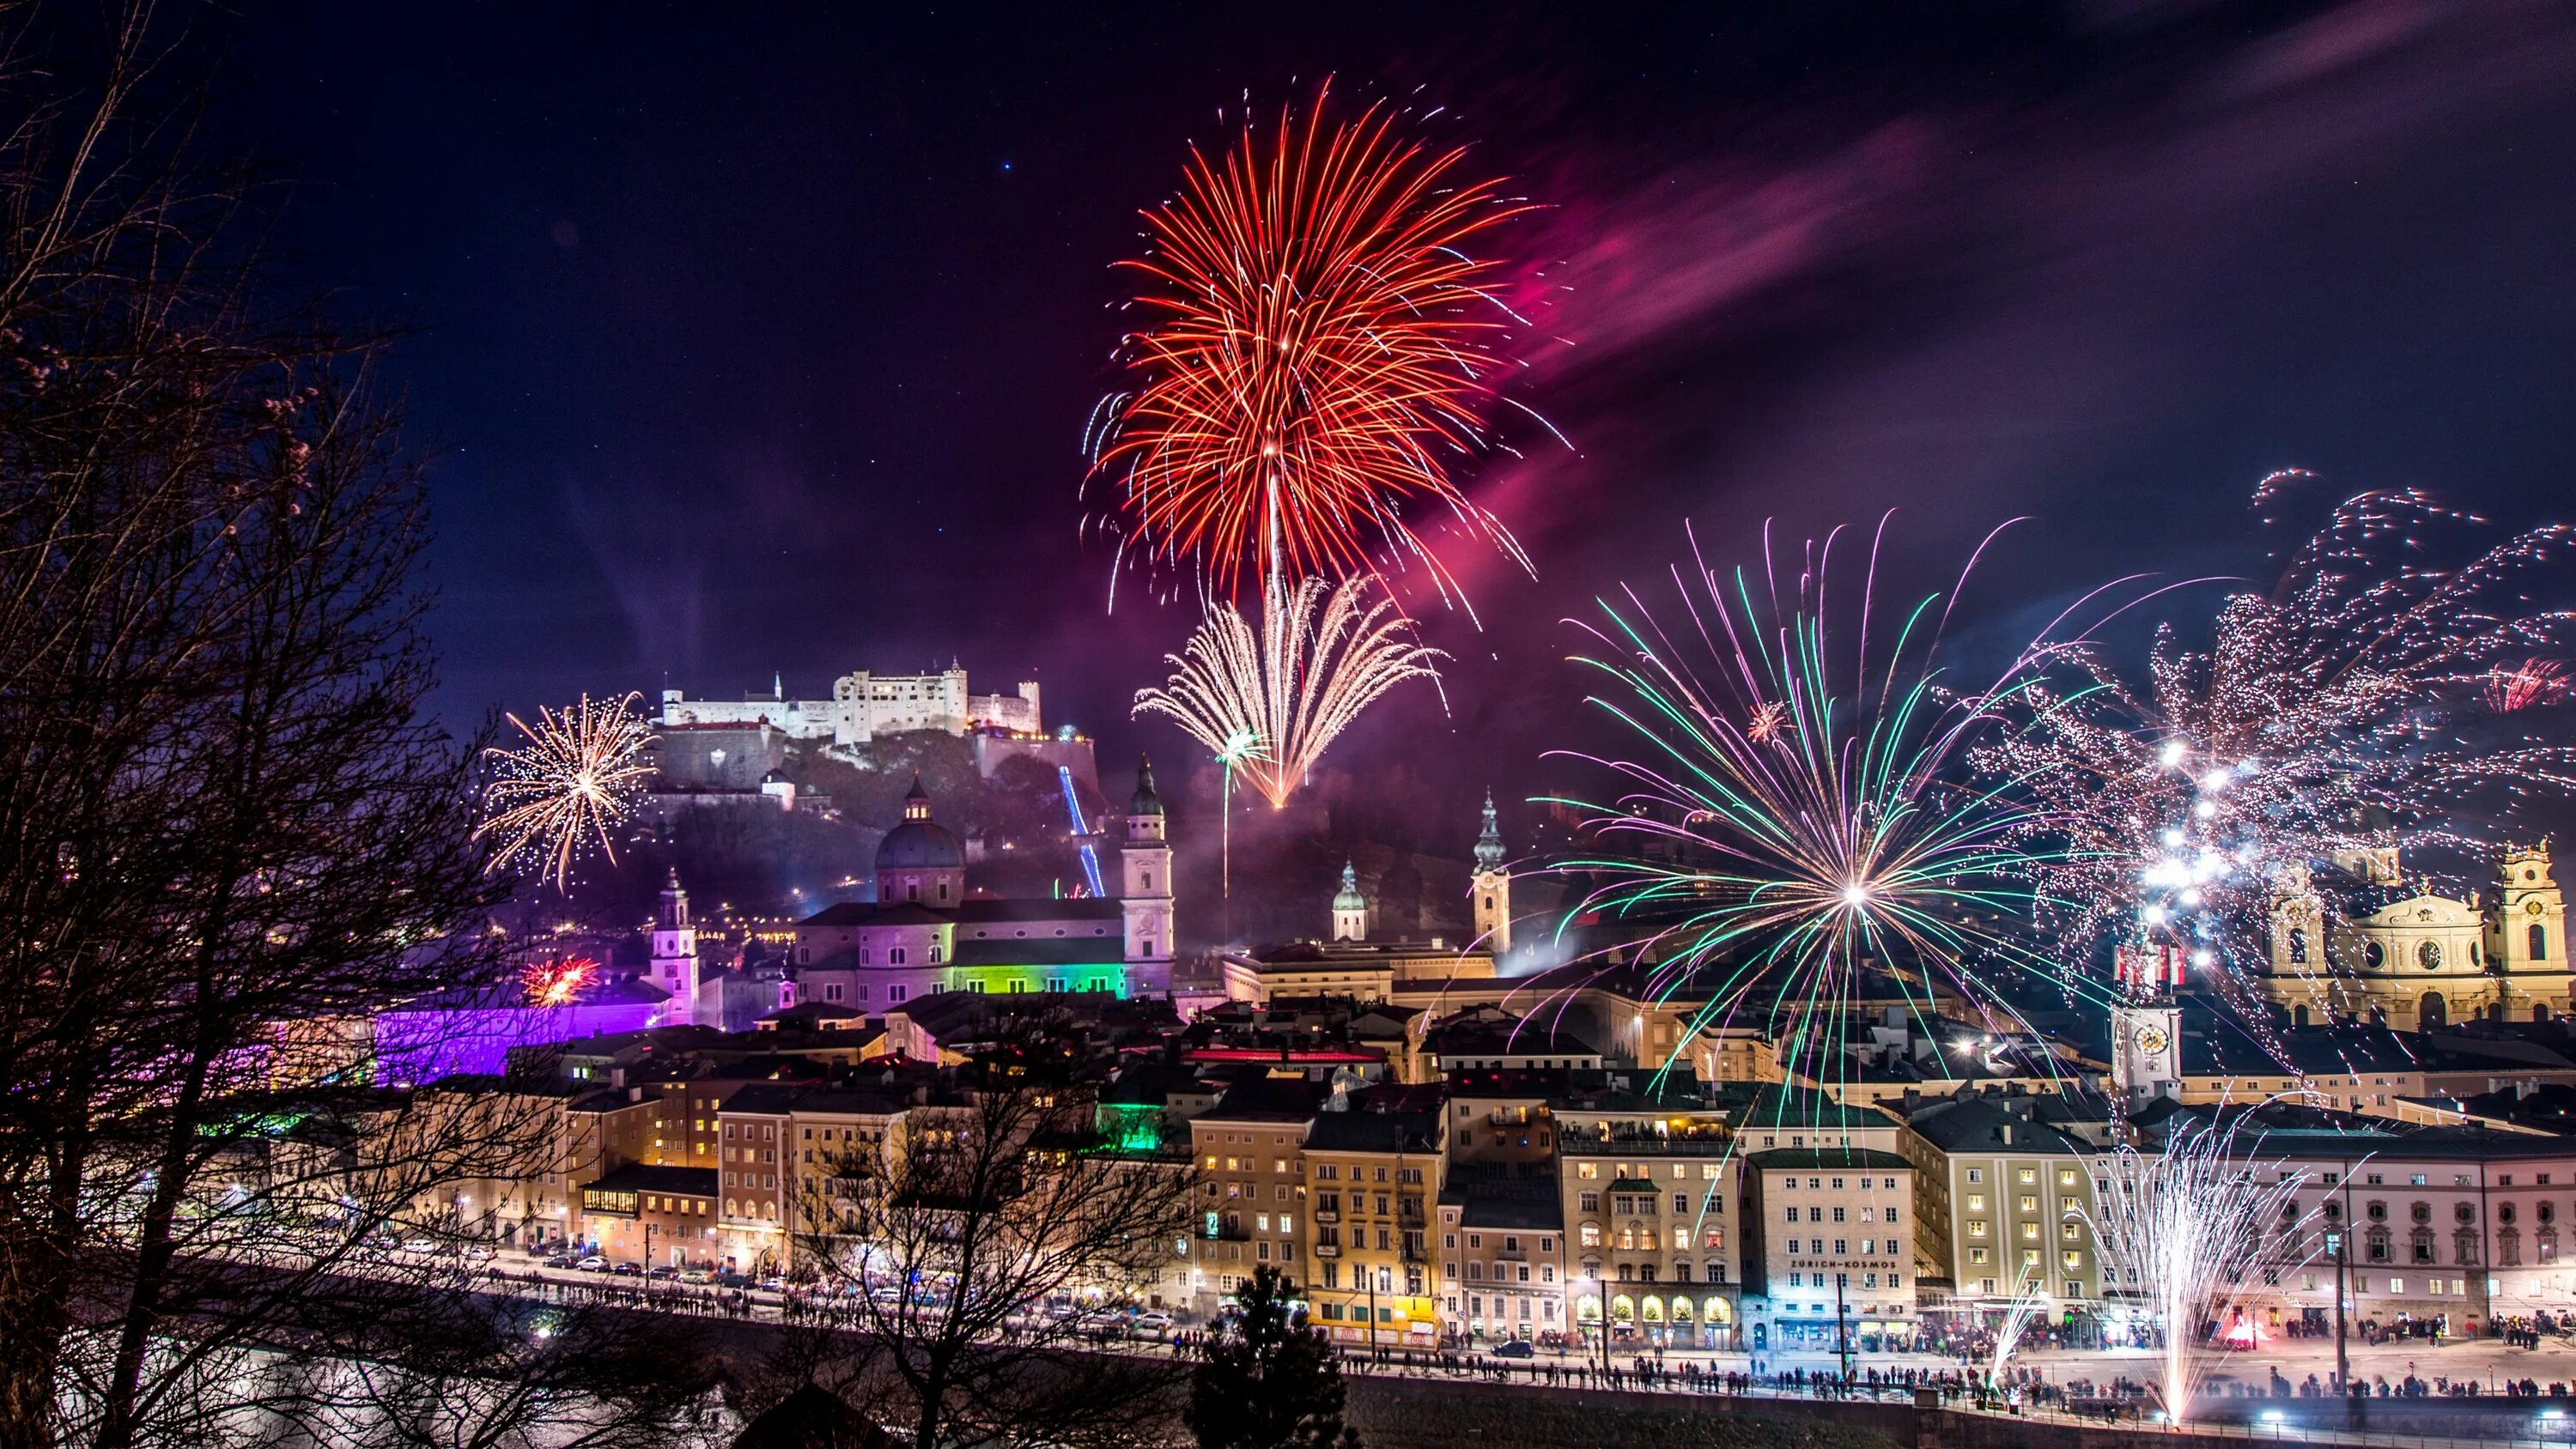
(2146,1050)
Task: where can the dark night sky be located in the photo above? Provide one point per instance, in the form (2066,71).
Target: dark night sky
(760,338)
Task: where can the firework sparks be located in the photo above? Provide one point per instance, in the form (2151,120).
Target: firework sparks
(2535,682)
(2024,1310)
(1838,844)
(1323,338)
(2182,1229)
(557,981)
(1322,654)
(555,796)
(2329,722)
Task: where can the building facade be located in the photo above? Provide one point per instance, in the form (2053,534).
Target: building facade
(2424,961)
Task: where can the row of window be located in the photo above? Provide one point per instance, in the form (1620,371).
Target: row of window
(1886,1213)
(1591,1171)
(1817,1184)
(1332,1172)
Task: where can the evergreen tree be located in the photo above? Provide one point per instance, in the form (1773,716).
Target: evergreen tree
(1266,1380)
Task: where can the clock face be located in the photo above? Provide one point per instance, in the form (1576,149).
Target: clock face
(2531,908)
(2151,1040)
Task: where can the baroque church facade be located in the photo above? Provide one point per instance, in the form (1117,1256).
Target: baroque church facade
(2422,961)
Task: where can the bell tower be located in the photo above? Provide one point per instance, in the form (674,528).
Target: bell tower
(675,953)
(1492,886)
(2528,935)
(1350,908)
(1145,873)
(2146,1050)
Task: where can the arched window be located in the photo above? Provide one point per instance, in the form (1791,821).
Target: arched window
(943,890)
(894,956)
(2539,942)
(2298,945)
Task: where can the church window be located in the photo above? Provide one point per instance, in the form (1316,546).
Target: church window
(2428,955)
(2539,942)
(1148,944)
(943,890)
(894,956)
(2372,956)
(934,953)
(2298,946)
(1149,880)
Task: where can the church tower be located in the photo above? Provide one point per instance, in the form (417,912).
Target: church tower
(675,953)
(1145,873)
(2527,934)
(1492,886)
(1350,908)
(2146,1050)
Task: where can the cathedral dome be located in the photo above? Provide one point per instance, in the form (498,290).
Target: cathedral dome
(919,843)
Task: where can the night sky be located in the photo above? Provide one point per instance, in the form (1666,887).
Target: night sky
(759,339)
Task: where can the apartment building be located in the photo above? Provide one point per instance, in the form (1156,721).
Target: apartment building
(2004,1200)
(1250,1152)
(1831,1249)
(1372,1178)
(756,1193)
(1500,1264)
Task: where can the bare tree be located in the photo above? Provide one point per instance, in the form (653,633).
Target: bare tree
(957,1249)
(228,837)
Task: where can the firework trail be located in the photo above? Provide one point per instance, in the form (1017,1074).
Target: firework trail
(1798,808)
(2181,1230)
(554,796)
(1321,340)
(2329,722)
(2024,1310)
(1322,654)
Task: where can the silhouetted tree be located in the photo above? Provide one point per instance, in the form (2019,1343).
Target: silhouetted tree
(1266,1380)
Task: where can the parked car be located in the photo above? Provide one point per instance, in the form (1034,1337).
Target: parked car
(1151,1324)
(731,1279)
(1517,1348)
(420,1245)
(664,1271)
(561,1260)
(697,1276)
(592,1264)
(628,1270)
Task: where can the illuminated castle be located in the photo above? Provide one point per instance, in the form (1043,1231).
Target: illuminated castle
(865,705)
(2423,961)
(924,933)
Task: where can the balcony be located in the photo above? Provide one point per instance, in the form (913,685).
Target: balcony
(1328,1250)
(1328,1215)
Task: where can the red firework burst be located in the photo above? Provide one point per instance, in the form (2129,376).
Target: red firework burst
(2538,681)
(557,982)
(1324,340)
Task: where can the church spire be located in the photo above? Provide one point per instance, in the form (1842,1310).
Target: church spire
(1489,844)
